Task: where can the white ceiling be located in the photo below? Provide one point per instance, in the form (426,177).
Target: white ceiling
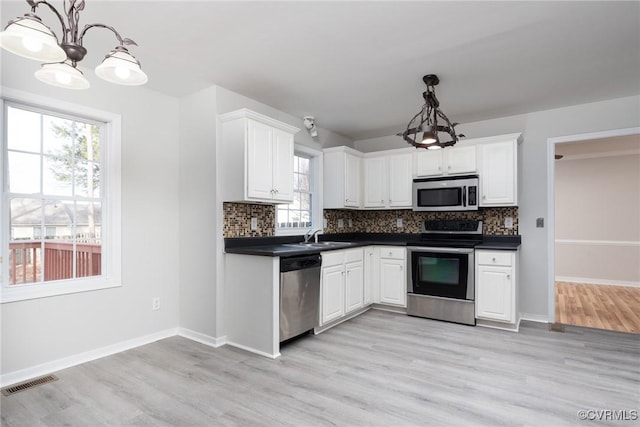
(358,66)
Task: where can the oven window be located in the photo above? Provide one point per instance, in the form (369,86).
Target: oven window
(440,274)
(440,197)
(444,271)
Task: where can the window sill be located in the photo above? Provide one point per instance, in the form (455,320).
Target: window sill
(25,292)
(293,231)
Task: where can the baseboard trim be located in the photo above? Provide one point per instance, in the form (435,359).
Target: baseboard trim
(530,317)
(77,359)
(202,338)
(253,350)
(605,282)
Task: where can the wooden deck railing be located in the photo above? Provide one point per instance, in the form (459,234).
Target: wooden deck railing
(26,259)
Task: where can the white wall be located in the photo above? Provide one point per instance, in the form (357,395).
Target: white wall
(197,204)
(43,330)
(597,220)
(537,128)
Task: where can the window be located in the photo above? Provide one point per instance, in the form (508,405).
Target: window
(306,210)
(60,200)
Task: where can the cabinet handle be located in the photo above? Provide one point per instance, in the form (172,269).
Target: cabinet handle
(484,197)
(494,260)
(382,201)
(448,167)
(509,276)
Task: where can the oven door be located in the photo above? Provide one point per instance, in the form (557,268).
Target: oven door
(441,272)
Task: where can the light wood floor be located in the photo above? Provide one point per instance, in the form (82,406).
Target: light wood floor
(379,369)
(615,308)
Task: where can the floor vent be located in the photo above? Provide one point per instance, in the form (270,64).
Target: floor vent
(8,391)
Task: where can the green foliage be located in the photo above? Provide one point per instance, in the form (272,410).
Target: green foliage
(74,159)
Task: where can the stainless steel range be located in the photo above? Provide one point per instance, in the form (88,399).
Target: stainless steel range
(441,278)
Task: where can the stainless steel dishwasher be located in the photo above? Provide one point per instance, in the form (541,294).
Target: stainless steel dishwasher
(299,294)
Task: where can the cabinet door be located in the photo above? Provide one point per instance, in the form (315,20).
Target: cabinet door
(494,297)
(332,293)
(352,181)
(354,286)
(497,174)
(400,180)
(375,182)
(428,162)
(370,276)
(461,160)
(259,167)
(393,288)
(282,154)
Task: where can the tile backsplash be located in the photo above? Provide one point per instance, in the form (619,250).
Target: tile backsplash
(386,221)
(237,220)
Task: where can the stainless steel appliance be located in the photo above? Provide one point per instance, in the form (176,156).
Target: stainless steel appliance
(440,271)
(299,294)
(458,193)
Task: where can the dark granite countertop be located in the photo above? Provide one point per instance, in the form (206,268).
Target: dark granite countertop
(500,243)
(286,246)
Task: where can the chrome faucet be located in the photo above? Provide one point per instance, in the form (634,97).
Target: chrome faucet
(311,233)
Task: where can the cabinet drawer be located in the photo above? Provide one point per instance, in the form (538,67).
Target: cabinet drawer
(353,255)
(495,258)
(392,252)
(331,258)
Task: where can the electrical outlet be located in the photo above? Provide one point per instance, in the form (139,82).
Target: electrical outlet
(399,222)
(508,222)
(324,223)
(540,222)
(155,303)
(341,223)
(350,223)
(254,224)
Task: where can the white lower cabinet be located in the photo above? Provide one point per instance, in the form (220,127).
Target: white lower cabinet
(496,286)
(342,284)
(332,293)
(393,276)
(371,282)
(354,286)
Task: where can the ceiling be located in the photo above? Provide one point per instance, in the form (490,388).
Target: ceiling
(358,66)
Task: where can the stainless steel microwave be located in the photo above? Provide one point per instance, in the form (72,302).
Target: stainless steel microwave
(459,193)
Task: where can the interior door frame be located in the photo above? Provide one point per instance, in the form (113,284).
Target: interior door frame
(551,149)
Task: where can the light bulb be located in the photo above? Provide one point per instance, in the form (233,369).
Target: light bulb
(32,44)
(122,72)
(63,78)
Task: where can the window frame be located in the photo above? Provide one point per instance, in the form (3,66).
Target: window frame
(316,167)
(111,239)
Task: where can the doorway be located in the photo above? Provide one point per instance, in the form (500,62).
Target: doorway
(594,234)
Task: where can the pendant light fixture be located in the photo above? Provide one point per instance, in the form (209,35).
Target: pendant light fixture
(426,127)
(28,37)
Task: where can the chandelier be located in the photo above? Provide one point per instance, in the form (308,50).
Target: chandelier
(424,128)
(28,37)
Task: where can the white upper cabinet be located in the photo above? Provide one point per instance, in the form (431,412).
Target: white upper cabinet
(461,160)
(341,178)
(498,170)
(258,158)
(375,194)
(400,181)
(448,161)
(387,181)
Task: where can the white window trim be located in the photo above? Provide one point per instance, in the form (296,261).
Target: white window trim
(317,219)
(111,240)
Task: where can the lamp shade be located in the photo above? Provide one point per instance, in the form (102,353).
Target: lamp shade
(62,75)
(121,67)
(30,38)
